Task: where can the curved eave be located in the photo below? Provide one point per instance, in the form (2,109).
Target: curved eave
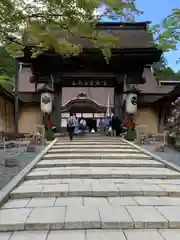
(83,104)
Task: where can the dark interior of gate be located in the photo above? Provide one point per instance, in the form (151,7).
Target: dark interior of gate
(89,69)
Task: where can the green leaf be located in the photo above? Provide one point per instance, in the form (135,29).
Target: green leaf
(48,24)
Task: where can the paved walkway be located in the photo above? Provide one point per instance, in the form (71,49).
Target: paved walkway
(171,155)
(94,189)
(22,159)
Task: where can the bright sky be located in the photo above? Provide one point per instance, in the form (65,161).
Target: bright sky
(155,11)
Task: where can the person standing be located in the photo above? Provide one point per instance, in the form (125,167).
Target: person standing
(76,130)
(71,123)
(113,126)
(83,125)
(118,126)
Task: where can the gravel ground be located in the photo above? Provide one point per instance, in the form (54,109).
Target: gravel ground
(169,154)
(23,158)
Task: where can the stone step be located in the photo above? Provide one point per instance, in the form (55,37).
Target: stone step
(91,146)
(87,150)
(173,183)
(104,172)
(90,142)
(95,155)
(93,190)
(95,234)
(92,217)
(35,202)
(99,163)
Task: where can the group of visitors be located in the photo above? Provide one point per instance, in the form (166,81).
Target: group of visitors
(75,125)
(111,126)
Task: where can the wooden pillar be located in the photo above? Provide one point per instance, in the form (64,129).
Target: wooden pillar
(57,104)
(118,98)
(16,94)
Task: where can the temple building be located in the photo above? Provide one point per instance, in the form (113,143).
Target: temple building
(90,87)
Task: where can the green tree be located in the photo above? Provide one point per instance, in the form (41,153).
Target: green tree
(51,24)
(167,33)
(7,68)
(164,72)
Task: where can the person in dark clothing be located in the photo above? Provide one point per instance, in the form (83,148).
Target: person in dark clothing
(118,126)
(113,125)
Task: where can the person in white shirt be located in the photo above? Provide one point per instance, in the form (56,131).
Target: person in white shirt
(83,125)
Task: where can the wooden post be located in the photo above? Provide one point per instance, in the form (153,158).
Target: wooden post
(16,94)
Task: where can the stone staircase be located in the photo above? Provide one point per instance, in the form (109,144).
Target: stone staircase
(94,188)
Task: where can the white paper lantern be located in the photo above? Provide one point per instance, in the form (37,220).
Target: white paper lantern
(46,102)
(131,103)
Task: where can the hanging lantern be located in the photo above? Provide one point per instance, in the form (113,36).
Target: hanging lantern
(46,100)
(131,101)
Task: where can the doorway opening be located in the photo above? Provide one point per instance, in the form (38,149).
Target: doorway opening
(91,124)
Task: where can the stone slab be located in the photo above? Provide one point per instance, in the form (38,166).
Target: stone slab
(143,234)
(115,217)
(122,201)
(46,218)
(58,190)
(173,190)
(95,202)
(101,190)
(68,202)
(163,181)
(29,235)
(105,234)
(5,236)
(157,201)
(42,182)
(170,234)
(13,219)
(147,217)
(16,203)
(172,214)
(27,191)
(84,189)
(67,235)
(42,202)
(82,218)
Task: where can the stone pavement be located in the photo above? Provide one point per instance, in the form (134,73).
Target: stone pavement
(94,188)
(22,159)
(170,155)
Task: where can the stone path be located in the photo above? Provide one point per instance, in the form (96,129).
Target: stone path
(22,159)
(94,188)
(171,155)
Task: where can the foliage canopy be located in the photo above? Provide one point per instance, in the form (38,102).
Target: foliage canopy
(51,24)
(7,68)
(167,33)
